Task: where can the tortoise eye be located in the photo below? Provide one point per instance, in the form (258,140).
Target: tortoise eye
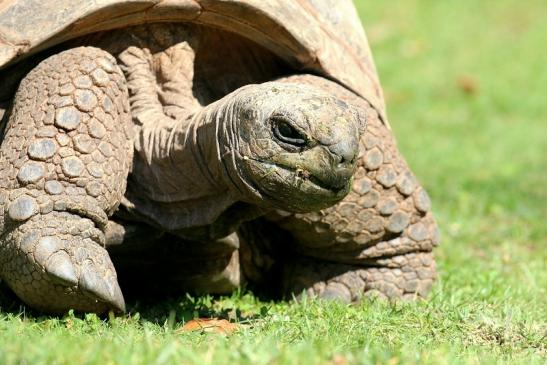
(286,133)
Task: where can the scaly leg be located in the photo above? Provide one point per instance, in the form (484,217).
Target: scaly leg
(64,161)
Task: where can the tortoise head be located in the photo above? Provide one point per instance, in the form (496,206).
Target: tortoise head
(293,145)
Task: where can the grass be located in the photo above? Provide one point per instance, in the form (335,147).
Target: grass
(465,83)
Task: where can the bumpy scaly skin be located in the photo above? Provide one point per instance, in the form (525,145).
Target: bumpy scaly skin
(64,162)
(378,239)
(404,276)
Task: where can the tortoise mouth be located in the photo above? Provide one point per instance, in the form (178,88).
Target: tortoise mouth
(295,189)
(335,185)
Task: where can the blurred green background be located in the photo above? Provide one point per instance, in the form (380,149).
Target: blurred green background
(466,88)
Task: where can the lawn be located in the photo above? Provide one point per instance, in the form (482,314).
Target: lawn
(466,83)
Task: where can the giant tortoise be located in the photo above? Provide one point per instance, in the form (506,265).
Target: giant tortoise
(200,145)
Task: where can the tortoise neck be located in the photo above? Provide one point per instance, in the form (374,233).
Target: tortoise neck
(179,176)
(212,136)
(180,160)
(194,152)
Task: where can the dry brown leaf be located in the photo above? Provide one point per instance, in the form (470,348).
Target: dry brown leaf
(468,84)
(210,325)
(339,360)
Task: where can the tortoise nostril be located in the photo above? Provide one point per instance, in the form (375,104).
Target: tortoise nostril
(345,160)
(344,152)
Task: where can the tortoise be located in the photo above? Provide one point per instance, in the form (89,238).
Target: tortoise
(200,145)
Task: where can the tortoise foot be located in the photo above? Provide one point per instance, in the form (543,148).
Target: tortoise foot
(54,262)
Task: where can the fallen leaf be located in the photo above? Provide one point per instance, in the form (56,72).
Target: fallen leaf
(210,325)
(339,360)
(468,84)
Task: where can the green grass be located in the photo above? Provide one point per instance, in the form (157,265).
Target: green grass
(466,83)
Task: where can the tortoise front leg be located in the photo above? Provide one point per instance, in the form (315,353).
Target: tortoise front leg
(378,239)
(63,167)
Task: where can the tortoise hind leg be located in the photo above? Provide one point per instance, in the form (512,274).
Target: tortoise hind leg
(378,239)
(406,276)
(63,165)
(164,264)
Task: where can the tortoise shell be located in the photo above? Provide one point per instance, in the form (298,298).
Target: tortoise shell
(324,37)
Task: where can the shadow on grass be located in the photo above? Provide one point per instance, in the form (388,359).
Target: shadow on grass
(160,310)
(184,309)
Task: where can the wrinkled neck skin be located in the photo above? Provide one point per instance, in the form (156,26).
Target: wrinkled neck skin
(185,175)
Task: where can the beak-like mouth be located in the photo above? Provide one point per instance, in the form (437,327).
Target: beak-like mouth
(302,182)
(319,167)
(335,181)
(298,189)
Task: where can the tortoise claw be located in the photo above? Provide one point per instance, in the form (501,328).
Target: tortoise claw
(61,270)
(99,288)
(117,301)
